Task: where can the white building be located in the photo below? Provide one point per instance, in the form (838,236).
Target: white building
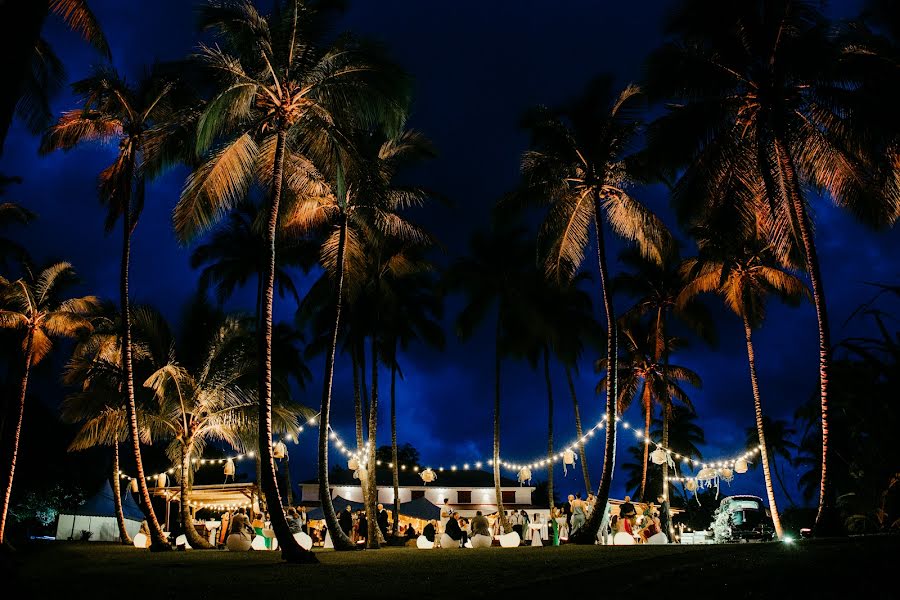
(466,490)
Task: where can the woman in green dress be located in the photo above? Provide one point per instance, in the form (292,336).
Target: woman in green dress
(554,526)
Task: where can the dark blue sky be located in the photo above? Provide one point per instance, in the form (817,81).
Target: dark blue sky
(477,65)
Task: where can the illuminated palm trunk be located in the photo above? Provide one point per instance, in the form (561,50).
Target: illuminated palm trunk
(373,533)
(194,539)
(20,413)
(117,498)
(394,457)
(763,448)
(338,537)
(587,534)
(580,432)
(549,426)
(647,403)
(827,522)
(158,539)
(291,550)
(504,523)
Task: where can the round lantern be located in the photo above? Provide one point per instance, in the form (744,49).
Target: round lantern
(229,468)
(569,457)
(360,473)
(134,486)
(706,474)
(353,464)
(279,450)
(726,474)
(658,456)
(691,485)
(161,480)
(740,465)
(428,475)
(524,475)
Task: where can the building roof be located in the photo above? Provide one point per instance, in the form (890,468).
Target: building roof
(471,478)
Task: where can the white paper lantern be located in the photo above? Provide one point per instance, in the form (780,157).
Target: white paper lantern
(707,474)
(569,457)
(691,485)
(161,480)
(229,468)
(740,465)
(360,473)
(279,450)
(726,474)
(658,456)
(353,464)
(524,475)
(428,475)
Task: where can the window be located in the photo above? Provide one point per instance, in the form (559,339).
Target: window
(509,496)
(418,494)
(464,497)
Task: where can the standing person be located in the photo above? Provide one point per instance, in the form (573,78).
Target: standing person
(554,525)
(446,511)
(516,521)
(304,519)
(665,518)
(293,521)
(578,516)
(346,521)
(382,520)
(627,508)
(362,525)
(526,523)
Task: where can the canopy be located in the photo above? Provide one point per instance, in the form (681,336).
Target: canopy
(420,508)
(339,503)
(102,504)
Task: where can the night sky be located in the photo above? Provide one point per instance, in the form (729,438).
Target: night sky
(477,65)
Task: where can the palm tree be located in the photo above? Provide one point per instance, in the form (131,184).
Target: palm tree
(642,375)
(493,277)
(743,272)
(778,443)
(35,72)
(760,91)
(685,436)
(284,94)
(655,287)
(209,403)
(136,118)
(12,213)
(32,306)
(577,166)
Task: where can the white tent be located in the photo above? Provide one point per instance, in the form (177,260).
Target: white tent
(98,515)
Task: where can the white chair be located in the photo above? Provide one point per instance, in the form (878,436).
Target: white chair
(423,544)
(141,541)
(237,543)
(658,539)
(304,540)
(181,540)
(448,542)
(510,540)
(623,539)
(481,541)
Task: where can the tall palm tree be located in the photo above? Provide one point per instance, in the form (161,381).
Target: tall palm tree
(642,376)
(284,93)
(778,434)
(35,72)
(135,117)
(743,272)
(12,213)
(577,167)
(761,91)
(33,306)
(494,280)
(655,287)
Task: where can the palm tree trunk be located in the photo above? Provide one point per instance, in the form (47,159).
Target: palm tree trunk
(580,432)
(549,426)
(396,469)
(194,539)
(646,400)
(291,550)
(667,416)
(338,537)
(504,523)
(827,522)
(117,498)
(662,354)
(288,485)
(357,405)
(7,493)
(763,448)
(587,534)
(158,540)
(373,532)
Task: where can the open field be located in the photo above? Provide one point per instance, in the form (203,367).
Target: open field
(818,568)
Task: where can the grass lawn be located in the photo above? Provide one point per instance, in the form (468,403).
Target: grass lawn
(864,567)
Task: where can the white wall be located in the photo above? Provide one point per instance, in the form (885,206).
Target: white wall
(104,529)
(434,493)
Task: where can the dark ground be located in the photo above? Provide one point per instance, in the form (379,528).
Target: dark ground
(855,568)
